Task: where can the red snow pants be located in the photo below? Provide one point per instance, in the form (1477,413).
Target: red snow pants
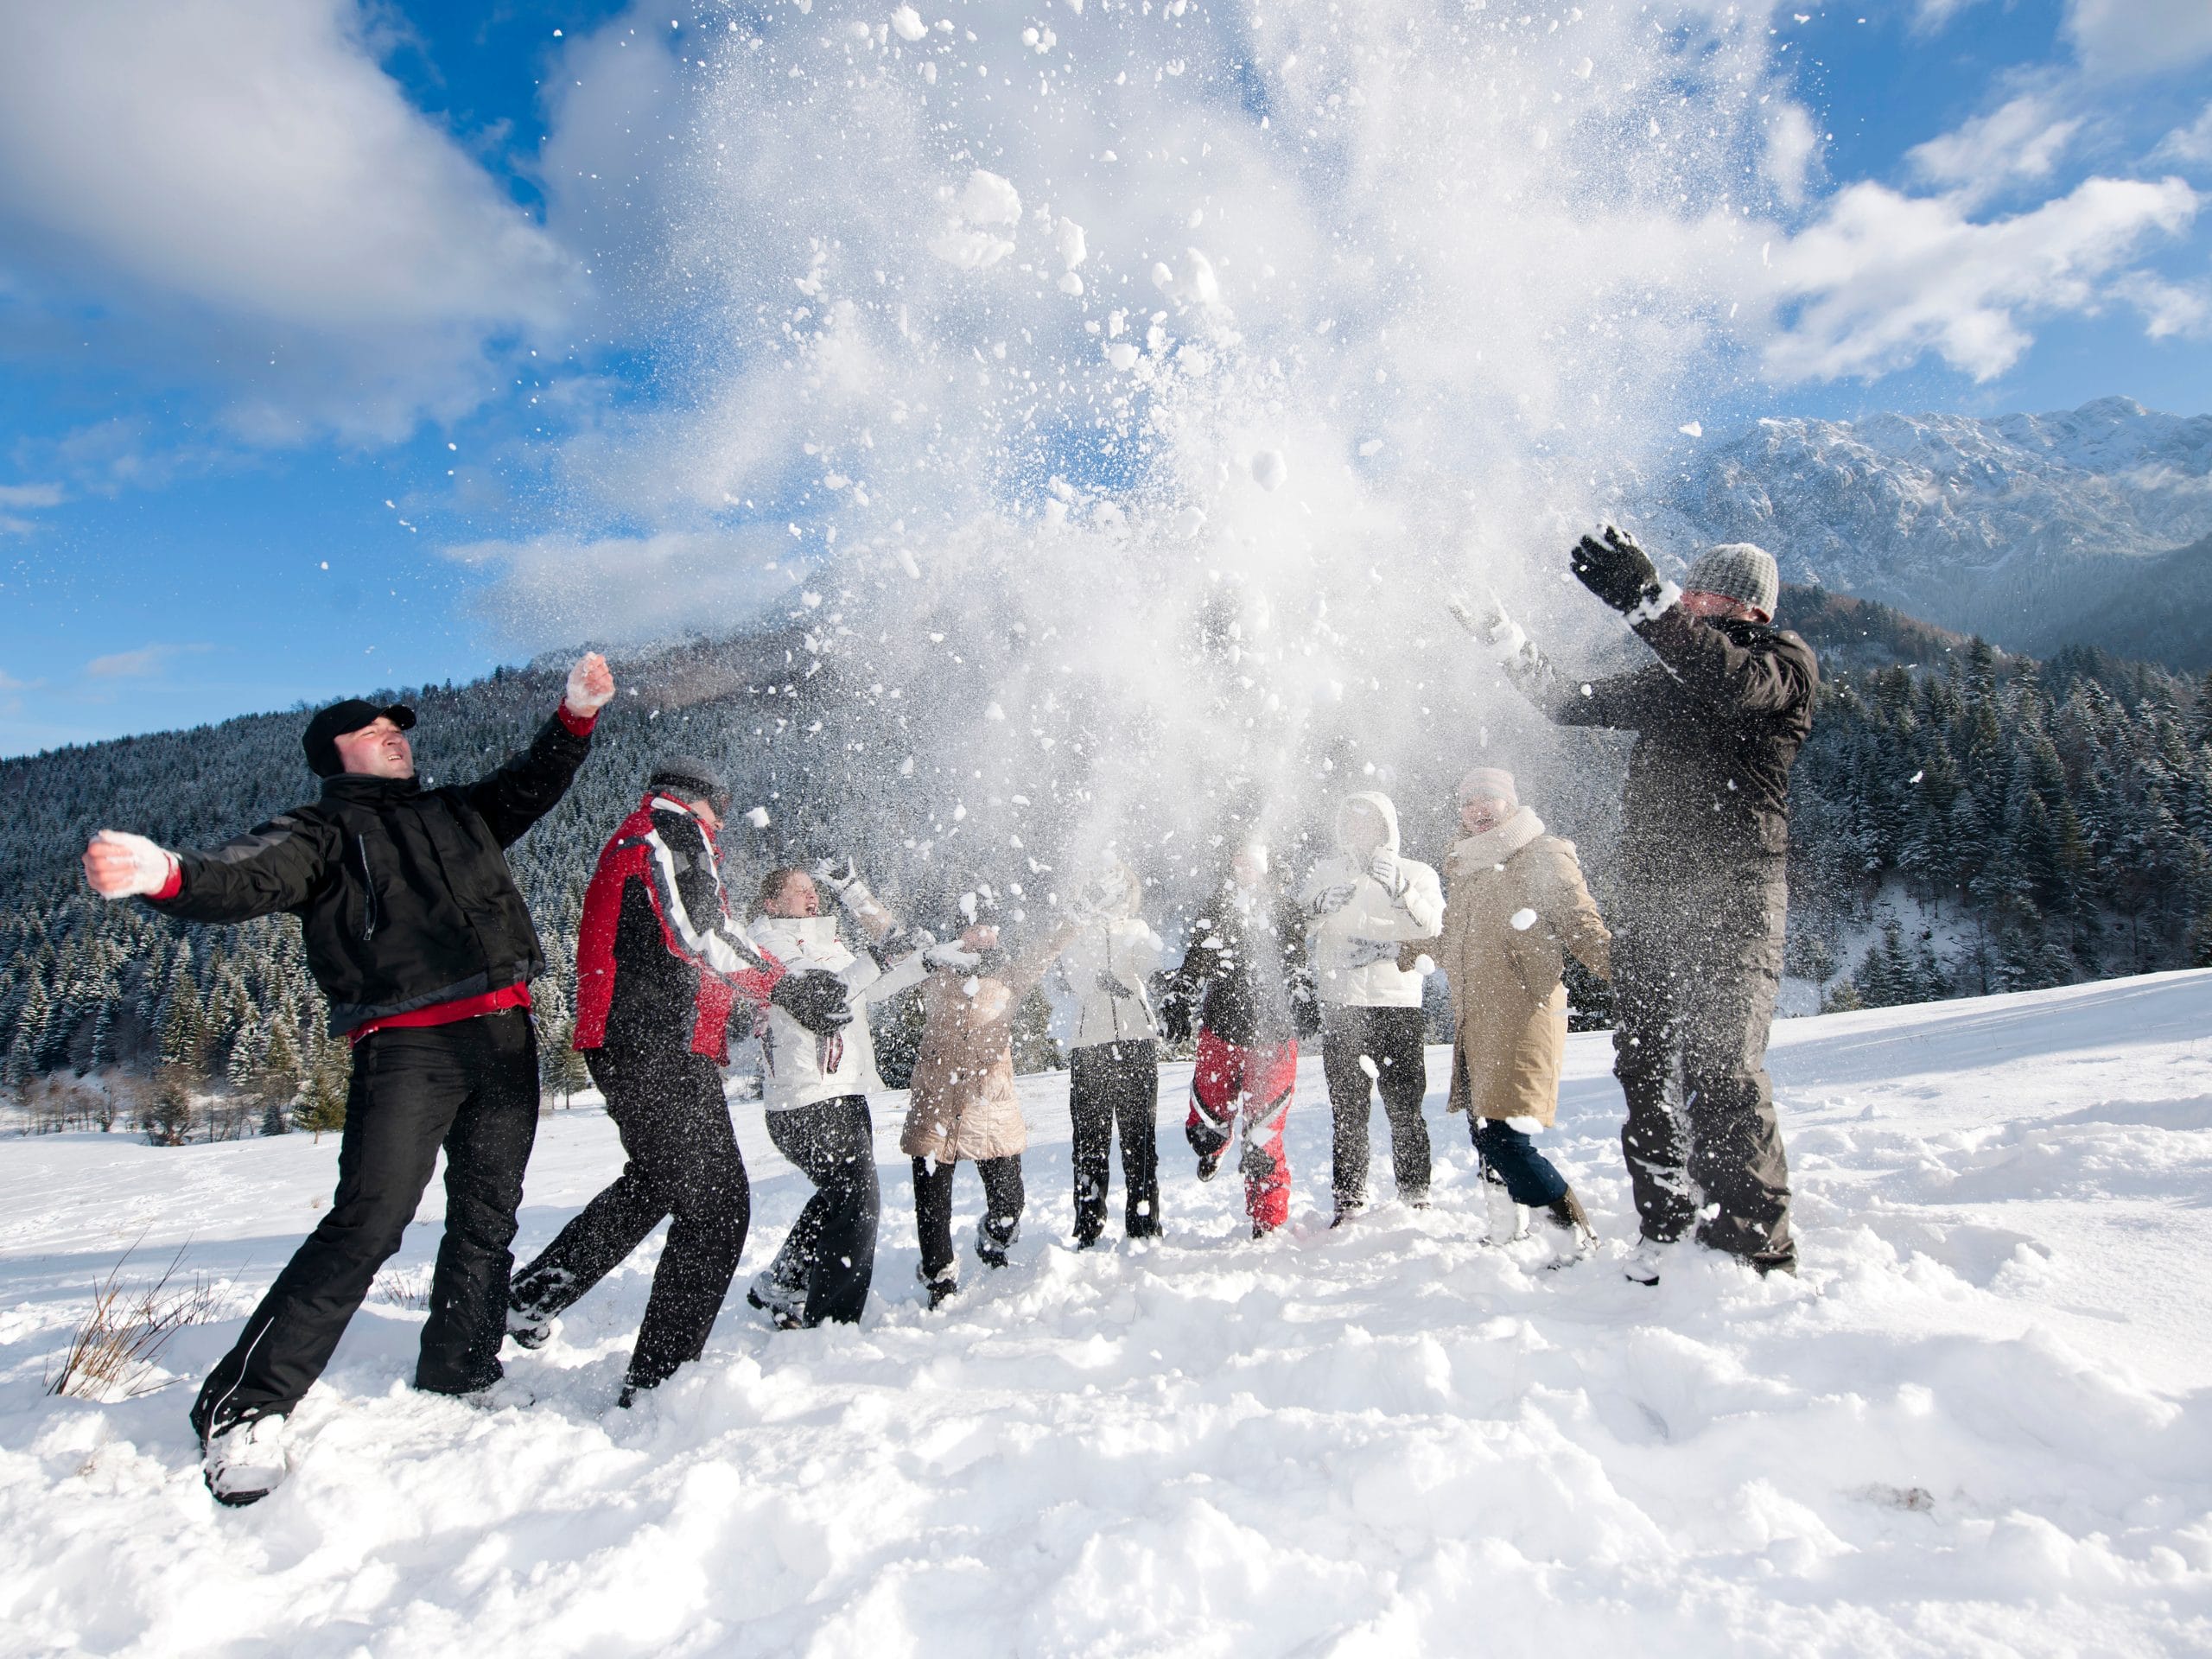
(1232,1082)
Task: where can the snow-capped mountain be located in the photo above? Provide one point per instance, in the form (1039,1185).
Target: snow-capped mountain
(2036,530)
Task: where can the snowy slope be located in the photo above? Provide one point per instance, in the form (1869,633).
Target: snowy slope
(1979,1424)
(2036,530)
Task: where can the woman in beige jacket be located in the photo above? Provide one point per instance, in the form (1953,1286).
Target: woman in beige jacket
(963,1103)
(1514,904)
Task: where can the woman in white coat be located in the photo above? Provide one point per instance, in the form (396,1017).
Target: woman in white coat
(816,1090)
(1361,903)
(1114,1058)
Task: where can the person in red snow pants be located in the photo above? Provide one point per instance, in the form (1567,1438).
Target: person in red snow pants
(1232,1082)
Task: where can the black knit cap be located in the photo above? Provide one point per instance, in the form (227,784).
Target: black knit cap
(692,779)
(320,738)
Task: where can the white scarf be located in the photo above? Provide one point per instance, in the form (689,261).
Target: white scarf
(1495,845)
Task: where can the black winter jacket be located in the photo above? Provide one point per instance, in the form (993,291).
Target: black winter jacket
(1247,973)
(1718,721)
(404,893)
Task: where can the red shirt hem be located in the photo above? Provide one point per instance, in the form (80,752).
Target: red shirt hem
(445,1014)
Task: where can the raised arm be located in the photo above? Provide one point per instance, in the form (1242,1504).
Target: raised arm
(1619,700)
(1778,676)
(525,790)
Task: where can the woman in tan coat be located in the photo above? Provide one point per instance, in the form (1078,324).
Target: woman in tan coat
(1515,903)
(963,1102)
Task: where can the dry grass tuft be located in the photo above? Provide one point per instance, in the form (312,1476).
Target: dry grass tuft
(119,1343)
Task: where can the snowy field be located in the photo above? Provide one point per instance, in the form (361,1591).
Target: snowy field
(1979,1424)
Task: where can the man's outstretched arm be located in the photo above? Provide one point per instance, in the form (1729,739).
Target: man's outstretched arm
(525,790)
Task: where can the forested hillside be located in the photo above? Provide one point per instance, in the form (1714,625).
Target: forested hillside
(2017,824)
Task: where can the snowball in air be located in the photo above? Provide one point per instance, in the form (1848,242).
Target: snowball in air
(1522,919)
(909,23)
(1269,469)
(758,817)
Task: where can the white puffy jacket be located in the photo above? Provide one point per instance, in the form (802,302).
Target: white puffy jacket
(1348,944)
(799,1068)
(1126,949)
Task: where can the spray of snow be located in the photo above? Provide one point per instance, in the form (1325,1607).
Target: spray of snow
(1171,368)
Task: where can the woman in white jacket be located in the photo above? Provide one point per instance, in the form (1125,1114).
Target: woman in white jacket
(816,1090)
(1361,903)
(1113,1060)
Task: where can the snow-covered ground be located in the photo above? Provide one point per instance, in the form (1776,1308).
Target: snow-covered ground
(1978,1423)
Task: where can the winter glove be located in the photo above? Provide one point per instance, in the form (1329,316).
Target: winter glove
(1175,1015)
(900,944)
(1383,866)
(1114,985)
(1305,1014)
(1329,900)
(1365,953)
(120,865)
(837,874)
(591,685)
(816,999)
(1616,569)
(1487,621)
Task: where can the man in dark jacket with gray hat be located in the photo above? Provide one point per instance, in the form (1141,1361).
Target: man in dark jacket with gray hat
(424,949)
(1697,952)
(661,968)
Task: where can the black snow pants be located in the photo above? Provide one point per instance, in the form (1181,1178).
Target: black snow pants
(684,1162)
(830,1250)
(470,1088)
(1696,968)
(1003,1199)
(1389,1042)
(1112,1084)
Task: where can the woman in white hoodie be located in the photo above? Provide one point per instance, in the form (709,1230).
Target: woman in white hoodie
(816,1090)
(1361,905)
(1113,1061)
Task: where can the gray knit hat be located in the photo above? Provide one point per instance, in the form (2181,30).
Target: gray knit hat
(1738,570)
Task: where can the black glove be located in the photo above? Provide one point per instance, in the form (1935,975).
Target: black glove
(899,944)
(816,999)
(1114,985)
(1616,569)
(1175,1017)
(1305,1014)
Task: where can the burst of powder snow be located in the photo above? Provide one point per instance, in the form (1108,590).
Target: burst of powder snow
(909,23)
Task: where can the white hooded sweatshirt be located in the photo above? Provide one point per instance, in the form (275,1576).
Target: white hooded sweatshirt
(1353,945)
(799,1068)
(1117,947)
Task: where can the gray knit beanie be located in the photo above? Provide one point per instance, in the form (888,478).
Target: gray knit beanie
(1738,570)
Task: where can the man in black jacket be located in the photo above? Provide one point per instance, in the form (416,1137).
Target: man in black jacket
(422,946)
(1697,954)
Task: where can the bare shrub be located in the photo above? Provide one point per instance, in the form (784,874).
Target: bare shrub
(119,1343)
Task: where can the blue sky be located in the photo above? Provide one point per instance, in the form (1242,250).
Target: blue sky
(428,361)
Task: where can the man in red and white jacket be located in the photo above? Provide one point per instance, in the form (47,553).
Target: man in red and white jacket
(421,943)
(660,966)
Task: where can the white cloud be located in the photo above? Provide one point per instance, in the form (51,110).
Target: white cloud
(1930,15)
(2188,145)
(138,664)
(2139,37)
(30,495)
(2020,141)
(621,589)
(240,187)
(1791,144)
(1885,279)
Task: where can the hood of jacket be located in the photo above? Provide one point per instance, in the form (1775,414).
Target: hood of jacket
(1381,805)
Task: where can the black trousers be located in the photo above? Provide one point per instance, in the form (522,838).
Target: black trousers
(831,1246)
(683,1163)
(1110,1084)
(1695,974)
(470,1088)
(1389,1040)
(1003,1199)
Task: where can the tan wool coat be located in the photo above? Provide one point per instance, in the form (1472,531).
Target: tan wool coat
(963,1102)
(1515,903)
